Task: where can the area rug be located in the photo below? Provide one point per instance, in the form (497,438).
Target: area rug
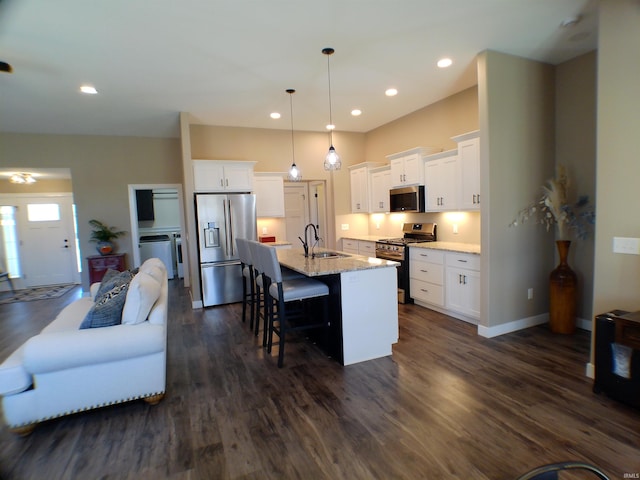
(36,293)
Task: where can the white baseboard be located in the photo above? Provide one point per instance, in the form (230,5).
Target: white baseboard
(590,370)
(584,324)
(490,332)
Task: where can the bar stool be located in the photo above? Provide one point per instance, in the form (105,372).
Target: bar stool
(248,292)
(283,295)
(261,288)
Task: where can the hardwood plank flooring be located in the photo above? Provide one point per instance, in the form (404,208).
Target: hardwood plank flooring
(447,405)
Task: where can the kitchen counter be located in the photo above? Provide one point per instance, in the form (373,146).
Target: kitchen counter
(472,248)
(294,259)
(363,303)
(278,243)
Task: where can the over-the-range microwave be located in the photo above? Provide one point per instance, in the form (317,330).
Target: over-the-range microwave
(407,199)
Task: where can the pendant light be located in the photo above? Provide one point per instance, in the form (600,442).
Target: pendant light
(294,172)
(332,160)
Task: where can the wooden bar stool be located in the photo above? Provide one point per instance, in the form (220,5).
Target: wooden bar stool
(282,298)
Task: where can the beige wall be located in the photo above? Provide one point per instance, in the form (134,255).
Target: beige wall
(617,276)
(576,148)
(101,168)
(517,155)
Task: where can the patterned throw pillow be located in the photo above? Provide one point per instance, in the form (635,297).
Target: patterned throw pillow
(113,278)
(107,310)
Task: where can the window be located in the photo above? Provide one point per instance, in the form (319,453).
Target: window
(43,212)
(10,240)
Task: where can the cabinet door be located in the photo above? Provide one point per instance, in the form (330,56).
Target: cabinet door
(413,173)
(238,177)
(469,155)
(380,186)
(397,172)
(368,249)
(463,291)
(269,196)
(208,176)
(441,184)
(359,191)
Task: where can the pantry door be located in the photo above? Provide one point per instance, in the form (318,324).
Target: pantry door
(296,208)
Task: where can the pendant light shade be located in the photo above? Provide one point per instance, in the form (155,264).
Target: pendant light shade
(332,159)
(294,172)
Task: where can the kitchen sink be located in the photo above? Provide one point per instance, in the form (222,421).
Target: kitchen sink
(329,255)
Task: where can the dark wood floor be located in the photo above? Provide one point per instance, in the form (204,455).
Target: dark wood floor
(447,404)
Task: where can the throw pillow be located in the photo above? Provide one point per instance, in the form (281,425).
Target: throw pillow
(113,278)
(107,310)
(143,292)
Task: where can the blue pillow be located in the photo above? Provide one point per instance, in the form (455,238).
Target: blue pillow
(113,278)
(107,310)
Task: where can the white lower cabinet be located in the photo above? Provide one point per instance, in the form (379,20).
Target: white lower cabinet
(359,247)
(426,275)
(449,281)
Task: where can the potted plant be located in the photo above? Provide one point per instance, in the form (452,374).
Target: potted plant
(104,235)
(554,209)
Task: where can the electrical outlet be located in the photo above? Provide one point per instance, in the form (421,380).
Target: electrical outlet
(264,230)
(630,246)
(530,294)
(345,226)
(455,228)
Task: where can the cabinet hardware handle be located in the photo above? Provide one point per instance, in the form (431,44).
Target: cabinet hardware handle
(424,271)
(221,183)
(478,198)
(464,279)
(227,182)
(424,290)
(459,278)
(462,261)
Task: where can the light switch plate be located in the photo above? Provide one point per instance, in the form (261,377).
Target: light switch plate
(345,226)
(629,246)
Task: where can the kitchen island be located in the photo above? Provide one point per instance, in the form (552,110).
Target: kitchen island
(363,303)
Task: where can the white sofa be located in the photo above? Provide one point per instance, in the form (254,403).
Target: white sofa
(64,369)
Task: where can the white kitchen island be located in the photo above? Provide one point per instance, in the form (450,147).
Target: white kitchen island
(363,305)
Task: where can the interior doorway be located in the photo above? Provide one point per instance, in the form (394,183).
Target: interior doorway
(158,210)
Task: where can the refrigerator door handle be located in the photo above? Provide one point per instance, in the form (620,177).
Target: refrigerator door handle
(226,230)
(231,235)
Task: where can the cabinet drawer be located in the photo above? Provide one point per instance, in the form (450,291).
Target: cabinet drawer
(427,292)
(463,260)
(367,248)
(349,245)
(426,255)
(427,272)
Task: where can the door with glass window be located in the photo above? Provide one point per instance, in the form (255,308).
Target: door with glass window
(47,241)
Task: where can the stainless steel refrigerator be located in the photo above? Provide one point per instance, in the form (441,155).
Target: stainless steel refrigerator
(221,218)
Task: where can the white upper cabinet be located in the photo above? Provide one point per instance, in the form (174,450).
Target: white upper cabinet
(469,158)
(441,180)
(407,167)
(360,187)
(269,190)
(222,176)
(380,186)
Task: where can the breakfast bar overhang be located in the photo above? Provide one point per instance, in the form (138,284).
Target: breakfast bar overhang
(363,303)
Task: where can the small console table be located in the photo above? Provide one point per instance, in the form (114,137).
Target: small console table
(99,264)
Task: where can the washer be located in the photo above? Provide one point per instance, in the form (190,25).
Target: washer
(157,246)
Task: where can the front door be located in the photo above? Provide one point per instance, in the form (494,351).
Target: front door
(47,241)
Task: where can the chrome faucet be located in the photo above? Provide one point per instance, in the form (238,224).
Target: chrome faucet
(305,244)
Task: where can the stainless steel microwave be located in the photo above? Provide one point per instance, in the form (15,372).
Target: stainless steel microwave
(407,199)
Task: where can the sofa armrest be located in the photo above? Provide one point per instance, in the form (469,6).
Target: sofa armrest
(93,289)
(50,352)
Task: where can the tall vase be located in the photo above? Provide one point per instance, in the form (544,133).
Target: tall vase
(563,284)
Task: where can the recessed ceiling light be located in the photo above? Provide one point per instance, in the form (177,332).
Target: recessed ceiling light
(356,111)
(391,92)
(88,89)
(331,127)
(275,115)
(444,62)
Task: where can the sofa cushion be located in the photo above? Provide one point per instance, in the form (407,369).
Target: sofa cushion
(113,278)
(107,310)
(13,376)
(142,294)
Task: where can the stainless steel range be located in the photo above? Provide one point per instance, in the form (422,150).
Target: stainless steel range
(396,249)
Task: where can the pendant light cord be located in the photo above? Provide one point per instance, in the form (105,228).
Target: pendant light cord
(330,110)
(293,151)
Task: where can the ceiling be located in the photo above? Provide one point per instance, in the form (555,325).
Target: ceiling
(229,62)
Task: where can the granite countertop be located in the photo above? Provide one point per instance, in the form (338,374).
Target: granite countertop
(277,243)
(367,238)
(473,248)
(294,259)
